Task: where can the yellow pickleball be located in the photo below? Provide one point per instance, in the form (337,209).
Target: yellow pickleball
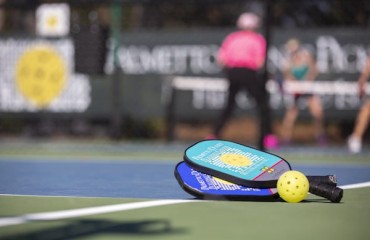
(293,186)
(40,75)
(235,159)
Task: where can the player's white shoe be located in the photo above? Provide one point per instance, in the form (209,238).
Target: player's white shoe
(354,144)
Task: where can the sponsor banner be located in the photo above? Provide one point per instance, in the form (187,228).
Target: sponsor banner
(339,54)
(38,75)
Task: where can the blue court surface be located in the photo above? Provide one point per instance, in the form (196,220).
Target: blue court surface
(139,170)
(128,179)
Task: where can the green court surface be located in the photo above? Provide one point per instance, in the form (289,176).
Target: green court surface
(315,218)
(312,219)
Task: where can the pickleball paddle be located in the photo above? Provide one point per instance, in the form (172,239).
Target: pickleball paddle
(205,186)
(247,166)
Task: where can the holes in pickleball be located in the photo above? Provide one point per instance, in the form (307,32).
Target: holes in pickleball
(292,187)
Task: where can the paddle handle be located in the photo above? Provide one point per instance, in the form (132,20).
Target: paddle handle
(330,180)
(332,193)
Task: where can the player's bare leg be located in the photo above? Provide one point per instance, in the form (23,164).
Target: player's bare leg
(355,140)
(362,120)
(315,108)
(288,122)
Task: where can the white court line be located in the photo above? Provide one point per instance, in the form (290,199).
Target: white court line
(85,211)
(48,216)
(356,185)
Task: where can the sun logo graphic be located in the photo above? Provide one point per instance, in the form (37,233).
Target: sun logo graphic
(267,169)
(53,20)
(40,75)
(235,159)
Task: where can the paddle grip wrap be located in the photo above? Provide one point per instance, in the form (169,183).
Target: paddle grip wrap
(334,194)
(330,180)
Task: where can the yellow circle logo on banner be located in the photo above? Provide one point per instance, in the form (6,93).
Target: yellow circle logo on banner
(40,75)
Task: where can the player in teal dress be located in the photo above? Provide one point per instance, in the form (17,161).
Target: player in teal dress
(301,67)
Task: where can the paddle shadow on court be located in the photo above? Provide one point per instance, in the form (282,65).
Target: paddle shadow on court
(86,228)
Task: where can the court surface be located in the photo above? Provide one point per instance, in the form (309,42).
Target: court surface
(63,189)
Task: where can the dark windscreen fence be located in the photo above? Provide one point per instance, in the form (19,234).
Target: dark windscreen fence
(79,68)
(90,58)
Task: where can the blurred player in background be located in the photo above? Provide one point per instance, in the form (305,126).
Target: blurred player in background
(355,139)
(242,54)
(300,66)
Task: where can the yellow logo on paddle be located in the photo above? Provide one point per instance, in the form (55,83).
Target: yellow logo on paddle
(41,75)
(235,159)
(222,181)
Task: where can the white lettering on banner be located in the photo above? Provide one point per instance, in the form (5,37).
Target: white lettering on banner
(331,56)
(353,52)
(211,93)
(207,100)
(214,100)
(276,59)
(166,59)
(329,51)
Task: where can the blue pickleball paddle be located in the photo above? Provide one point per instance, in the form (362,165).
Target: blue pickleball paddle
(205,186)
